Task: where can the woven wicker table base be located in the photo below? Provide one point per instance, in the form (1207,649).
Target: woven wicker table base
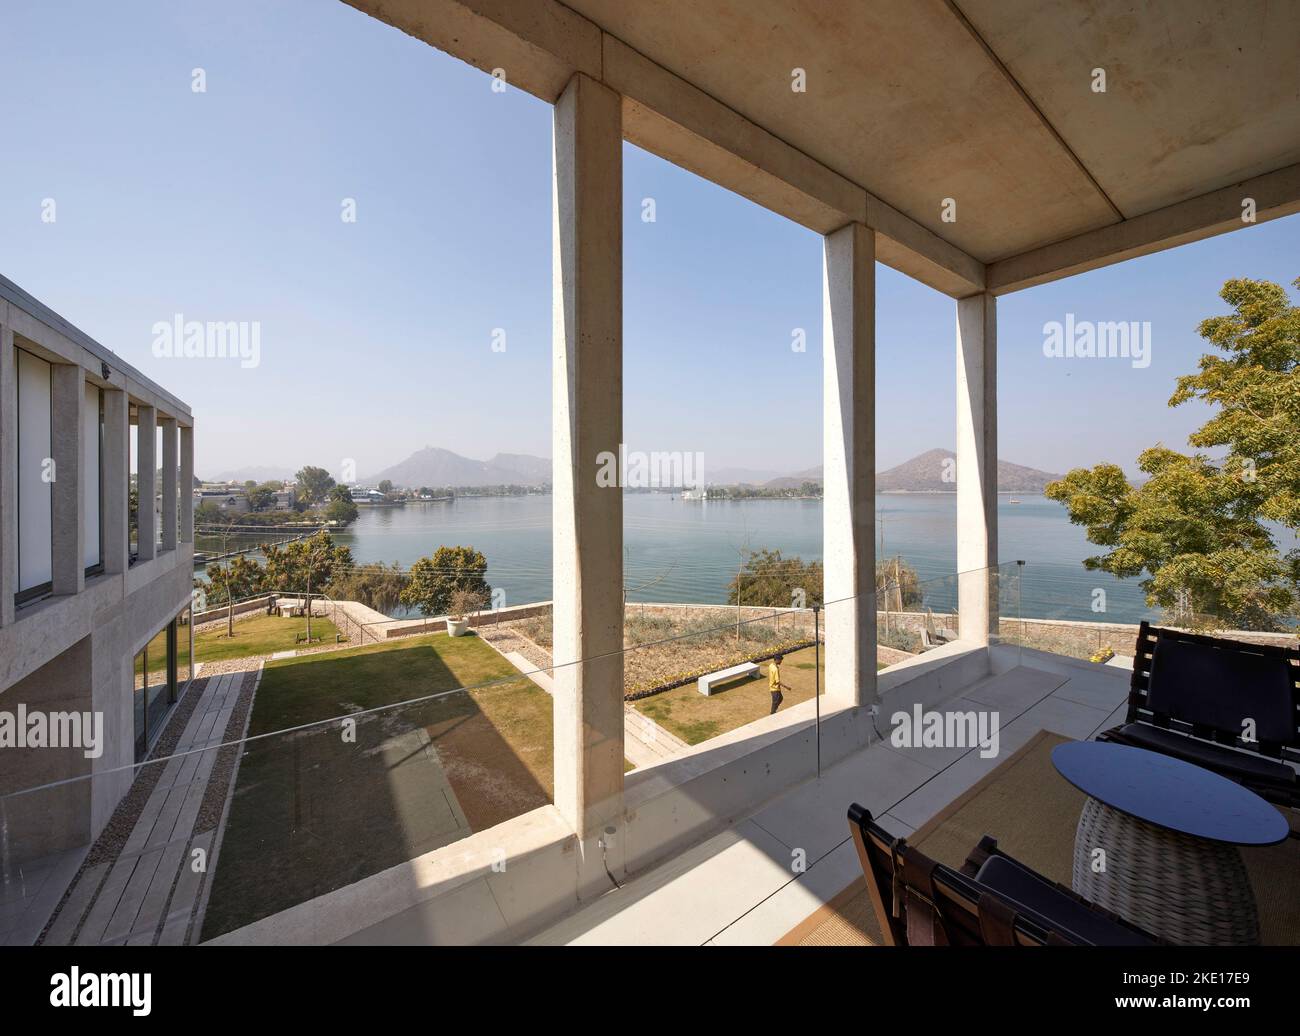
(1184,889)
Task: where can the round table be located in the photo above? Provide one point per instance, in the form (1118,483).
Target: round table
(1157,842)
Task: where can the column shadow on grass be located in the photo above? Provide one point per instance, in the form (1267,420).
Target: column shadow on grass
(317,809)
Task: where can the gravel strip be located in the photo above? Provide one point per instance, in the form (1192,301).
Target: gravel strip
(214,795)
(506,639)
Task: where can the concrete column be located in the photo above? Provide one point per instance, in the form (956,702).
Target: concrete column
(68,491)
(117,473)
(587,400)
(849,458)
(977,468)
(187,484)
(8,474)
(169,478)
(146,478)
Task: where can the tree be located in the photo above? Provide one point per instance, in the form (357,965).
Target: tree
(897,584)
(386,486)
(314,484)
(768,580)
(207,513)
(261,498)
(238,578)
(431,580)
(377,586)
(305,566)
(341,509)
(1196,528)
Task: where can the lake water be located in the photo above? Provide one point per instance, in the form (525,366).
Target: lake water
(689,550)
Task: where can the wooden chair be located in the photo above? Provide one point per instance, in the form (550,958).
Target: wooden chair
(993,901)
(1194,697)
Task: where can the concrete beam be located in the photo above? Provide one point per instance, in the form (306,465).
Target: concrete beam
(849,456)
(587,401)
(146,482)
(541,44)
(1274,195)
(187,484)
(68,491)
(170,473)
(117,474)
(8,471)
(66,343)
(977,468)
(666,115)
(538,45)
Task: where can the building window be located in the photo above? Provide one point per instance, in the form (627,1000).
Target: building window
(92,450)
(162,670)
(35,477)
(185,646)
(132,494)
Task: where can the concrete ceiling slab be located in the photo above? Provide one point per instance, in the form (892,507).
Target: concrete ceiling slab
(900,98)
(1199,93)
(911,102)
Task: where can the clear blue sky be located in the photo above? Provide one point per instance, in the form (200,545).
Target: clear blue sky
(376,336)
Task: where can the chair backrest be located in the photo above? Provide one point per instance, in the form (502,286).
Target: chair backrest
(918,901)
(1215,685)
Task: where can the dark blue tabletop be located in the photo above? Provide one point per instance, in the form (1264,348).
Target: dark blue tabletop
(1169,792)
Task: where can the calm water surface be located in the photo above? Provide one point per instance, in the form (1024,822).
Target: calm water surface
(678,550)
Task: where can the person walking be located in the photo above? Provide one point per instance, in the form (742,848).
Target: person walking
(774,683)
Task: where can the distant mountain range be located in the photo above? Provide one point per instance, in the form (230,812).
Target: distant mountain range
(255,473)
(796,480)
(435,467)
(925,474)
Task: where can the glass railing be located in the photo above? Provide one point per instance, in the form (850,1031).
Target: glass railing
(297,765)
(273,784)
(1093,617)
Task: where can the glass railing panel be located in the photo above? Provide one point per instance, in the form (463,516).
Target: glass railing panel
(696,674)
(283,785)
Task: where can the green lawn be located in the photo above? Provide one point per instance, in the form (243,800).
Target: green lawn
(262,635)
(314,811)
(696,717)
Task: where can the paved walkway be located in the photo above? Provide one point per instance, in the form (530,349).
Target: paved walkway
(645,742)
(740,887)
(150,892)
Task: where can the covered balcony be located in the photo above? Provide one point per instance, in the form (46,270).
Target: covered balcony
(979,147)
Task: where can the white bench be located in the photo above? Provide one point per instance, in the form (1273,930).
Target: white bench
(707,681)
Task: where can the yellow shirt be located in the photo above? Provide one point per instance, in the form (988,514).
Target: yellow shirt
(773,678)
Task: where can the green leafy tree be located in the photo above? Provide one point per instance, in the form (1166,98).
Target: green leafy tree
(206,514)
(432,580)
(1195,529)
(310,563)
(377,586)
(385,487)
(340,508)
(314,484)
(233,580)
(261,498)
(768,580)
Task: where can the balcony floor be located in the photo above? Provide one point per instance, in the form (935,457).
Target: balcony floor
(741,887)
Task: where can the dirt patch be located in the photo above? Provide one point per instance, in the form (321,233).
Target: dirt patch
(667,643)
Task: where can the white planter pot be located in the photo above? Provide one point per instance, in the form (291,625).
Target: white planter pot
(457,627)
